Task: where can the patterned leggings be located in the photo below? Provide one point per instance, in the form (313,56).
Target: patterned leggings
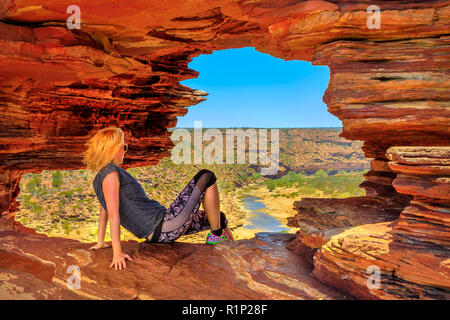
(183,216)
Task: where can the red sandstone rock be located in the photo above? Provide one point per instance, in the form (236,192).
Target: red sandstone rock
(408,271)
(423,171)
(321,218)
(411,252)
(380,165)
(424,174)
(426,222)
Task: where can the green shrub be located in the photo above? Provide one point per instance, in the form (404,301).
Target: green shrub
(256,175)
(34,182)
(68,193)
(57,179)
(36,208)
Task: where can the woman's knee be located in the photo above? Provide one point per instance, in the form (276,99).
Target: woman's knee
(211,176)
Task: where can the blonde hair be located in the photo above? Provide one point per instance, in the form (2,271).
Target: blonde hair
(102,148)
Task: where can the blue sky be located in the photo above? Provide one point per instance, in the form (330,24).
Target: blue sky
(248,88)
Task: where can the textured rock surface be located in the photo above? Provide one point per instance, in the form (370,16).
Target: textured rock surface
(424,173)
(414,270)
(389,86)
(35,267)
(413,252)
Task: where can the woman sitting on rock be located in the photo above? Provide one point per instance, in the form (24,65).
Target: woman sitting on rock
(123,201)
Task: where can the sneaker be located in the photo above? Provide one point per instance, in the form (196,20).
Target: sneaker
(213,239)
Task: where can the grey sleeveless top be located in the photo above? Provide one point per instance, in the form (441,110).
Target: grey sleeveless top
(138,214)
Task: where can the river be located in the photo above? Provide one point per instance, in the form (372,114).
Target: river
(258,220)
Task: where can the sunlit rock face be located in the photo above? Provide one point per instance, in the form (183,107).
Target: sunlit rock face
(411,252)
(319,219)
(389,86)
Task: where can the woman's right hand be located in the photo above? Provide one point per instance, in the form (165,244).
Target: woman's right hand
(119,260)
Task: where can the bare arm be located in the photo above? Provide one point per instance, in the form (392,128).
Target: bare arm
(111,186)
(102,223)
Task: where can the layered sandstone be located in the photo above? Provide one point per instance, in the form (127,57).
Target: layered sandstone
(389,86)
(319,219)
(412,252)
